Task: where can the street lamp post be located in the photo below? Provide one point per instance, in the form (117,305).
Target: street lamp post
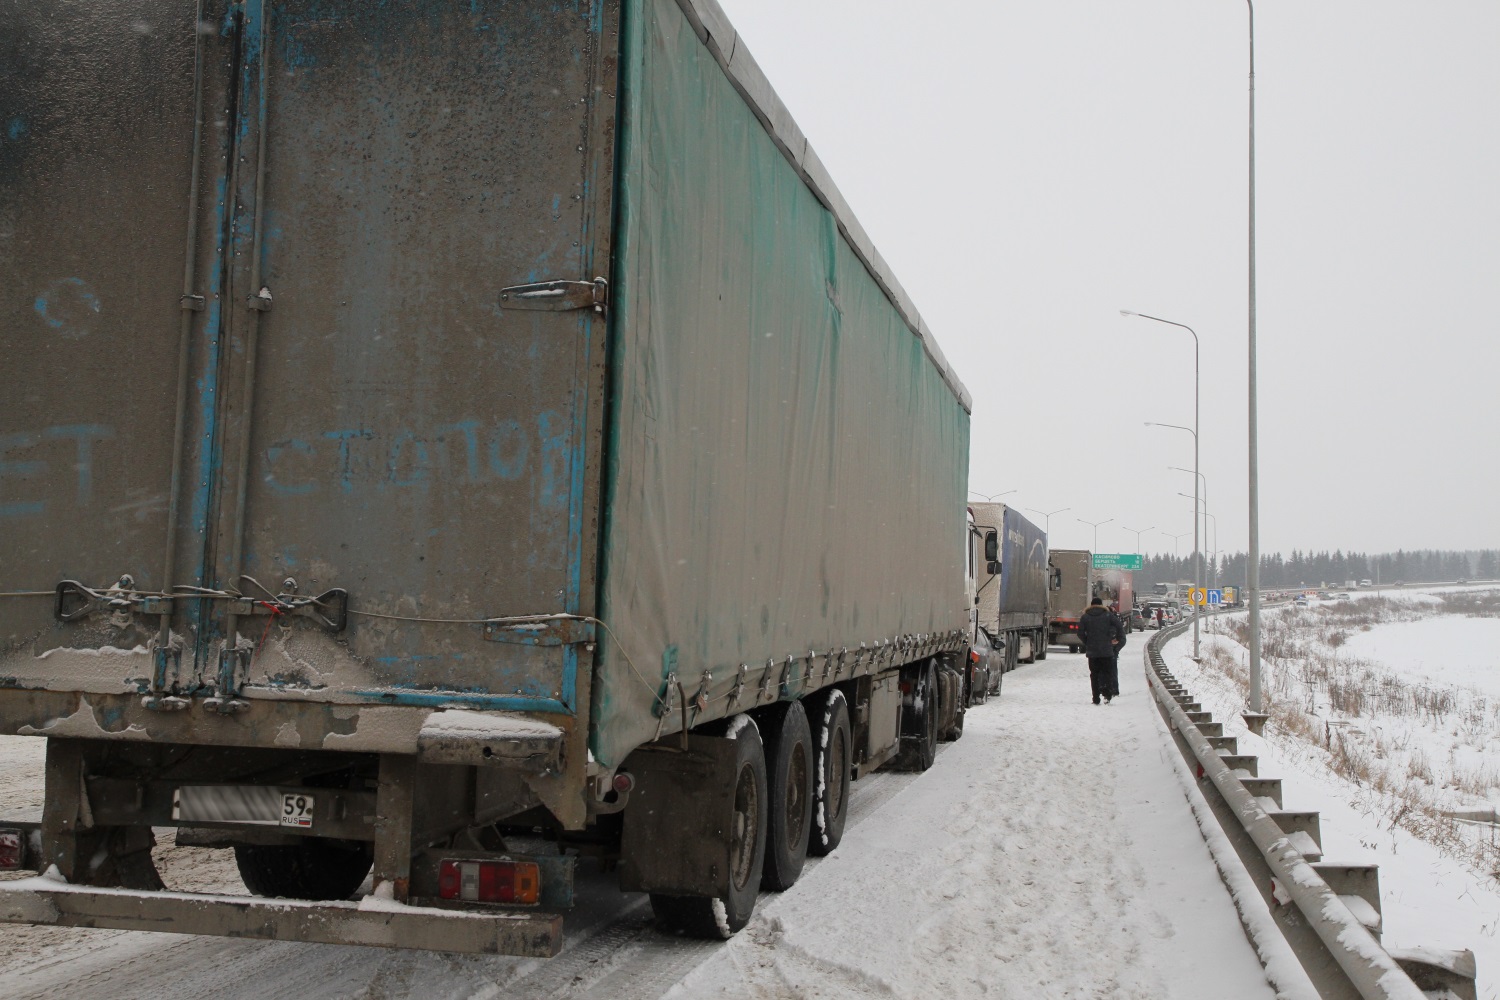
(1197,554)
(1213,546)
(1197,381)
(1252,569)
(1138,532)
(1203,480)
(1095,525)
(991,497)
(1047,527)
(1182,534)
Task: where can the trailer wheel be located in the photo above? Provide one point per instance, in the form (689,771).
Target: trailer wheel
(721,916)
(789,774)
(316,868)
(1041,645)
(919,719)
(832,745)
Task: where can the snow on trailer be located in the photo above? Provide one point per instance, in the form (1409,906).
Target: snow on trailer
(342,559)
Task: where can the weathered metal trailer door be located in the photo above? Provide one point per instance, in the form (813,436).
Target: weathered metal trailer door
(400,420)
(360,402)
(110,227)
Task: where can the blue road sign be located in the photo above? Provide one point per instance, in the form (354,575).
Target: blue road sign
(1215,597)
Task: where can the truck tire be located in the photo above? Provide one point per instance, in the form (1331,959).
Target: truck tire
(719,917)
(919,719)
(833,745)
(789,775)
(1041,645)
(316,868)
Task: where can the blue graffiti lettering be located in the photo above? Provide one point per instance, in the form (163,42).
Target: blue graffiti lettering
(65,307)
(416,474)
(8,442)
(273,454)
(84,436)
(470,430)
(346,480)
(508,450)
(554,458)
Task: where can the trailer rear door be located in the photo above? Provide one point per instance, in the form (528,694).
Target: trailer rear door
(375,409)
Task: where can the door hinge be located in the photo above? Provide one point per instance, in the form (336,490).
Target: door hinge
(557,296)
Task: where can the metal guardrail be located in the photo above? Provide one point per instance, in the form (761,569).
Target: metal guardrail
(1339,950)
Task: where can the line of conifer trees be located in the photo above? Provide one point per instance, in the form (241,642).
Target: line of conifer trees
(1326,569)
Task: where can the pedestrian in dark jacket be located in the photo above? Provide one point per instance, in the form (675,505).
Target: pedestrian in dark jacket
(1103,636)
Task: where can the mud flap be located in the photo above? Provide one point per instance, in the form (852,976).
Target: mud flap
(677,833)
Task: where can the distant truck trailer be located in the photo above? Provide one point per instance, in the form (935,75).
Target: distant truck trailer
(1070,589)
(1115,587)
(1013,601)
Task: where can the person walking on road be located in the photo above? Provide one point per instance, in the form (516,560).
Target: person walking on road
(1103,636)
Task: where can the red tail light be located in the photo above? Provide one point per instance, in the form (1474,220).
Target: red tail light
(973,656)
(516,882)
(10,850)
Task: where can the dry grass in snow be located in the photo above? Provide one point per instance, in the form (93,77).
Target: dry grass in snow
(1417,749)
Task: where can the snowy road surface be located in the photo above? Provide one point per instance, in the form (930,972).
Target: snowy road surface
(1049,853)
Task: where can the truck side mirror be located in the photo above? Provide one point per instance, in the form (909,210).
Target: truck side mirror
(992,547)
(994,568)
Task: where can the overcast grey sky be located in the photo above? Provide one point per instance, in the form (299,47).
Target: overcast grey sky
(1030,169)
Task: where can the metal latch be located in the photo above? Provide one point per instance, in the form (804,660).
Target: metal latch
(329,609)
(546,632)
(557,296)
(72,600)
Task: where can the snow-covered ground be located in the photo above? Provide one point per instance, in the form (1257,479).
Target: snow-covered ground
(1050,853)
(1435,889)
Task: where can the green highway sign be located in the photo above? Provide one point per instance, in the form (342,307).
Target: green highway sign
(1108,560)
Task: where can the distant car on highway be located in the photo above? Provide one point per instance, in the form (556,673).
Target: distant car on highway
(1342,597)
(1137,622)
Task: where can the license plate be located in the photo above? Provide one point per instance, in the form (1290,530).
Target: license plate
(297,810)
(254,804)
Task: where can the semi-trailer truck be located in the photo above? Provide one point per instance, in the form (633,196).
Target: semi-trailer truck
(1013,597)
(1116,588)
(1070,589)
(430,422)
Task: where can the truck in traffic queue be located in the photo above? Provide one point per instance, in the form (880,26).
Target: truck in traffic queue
(1115,587)
(1070,588)
(1012,606)
(442,439)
